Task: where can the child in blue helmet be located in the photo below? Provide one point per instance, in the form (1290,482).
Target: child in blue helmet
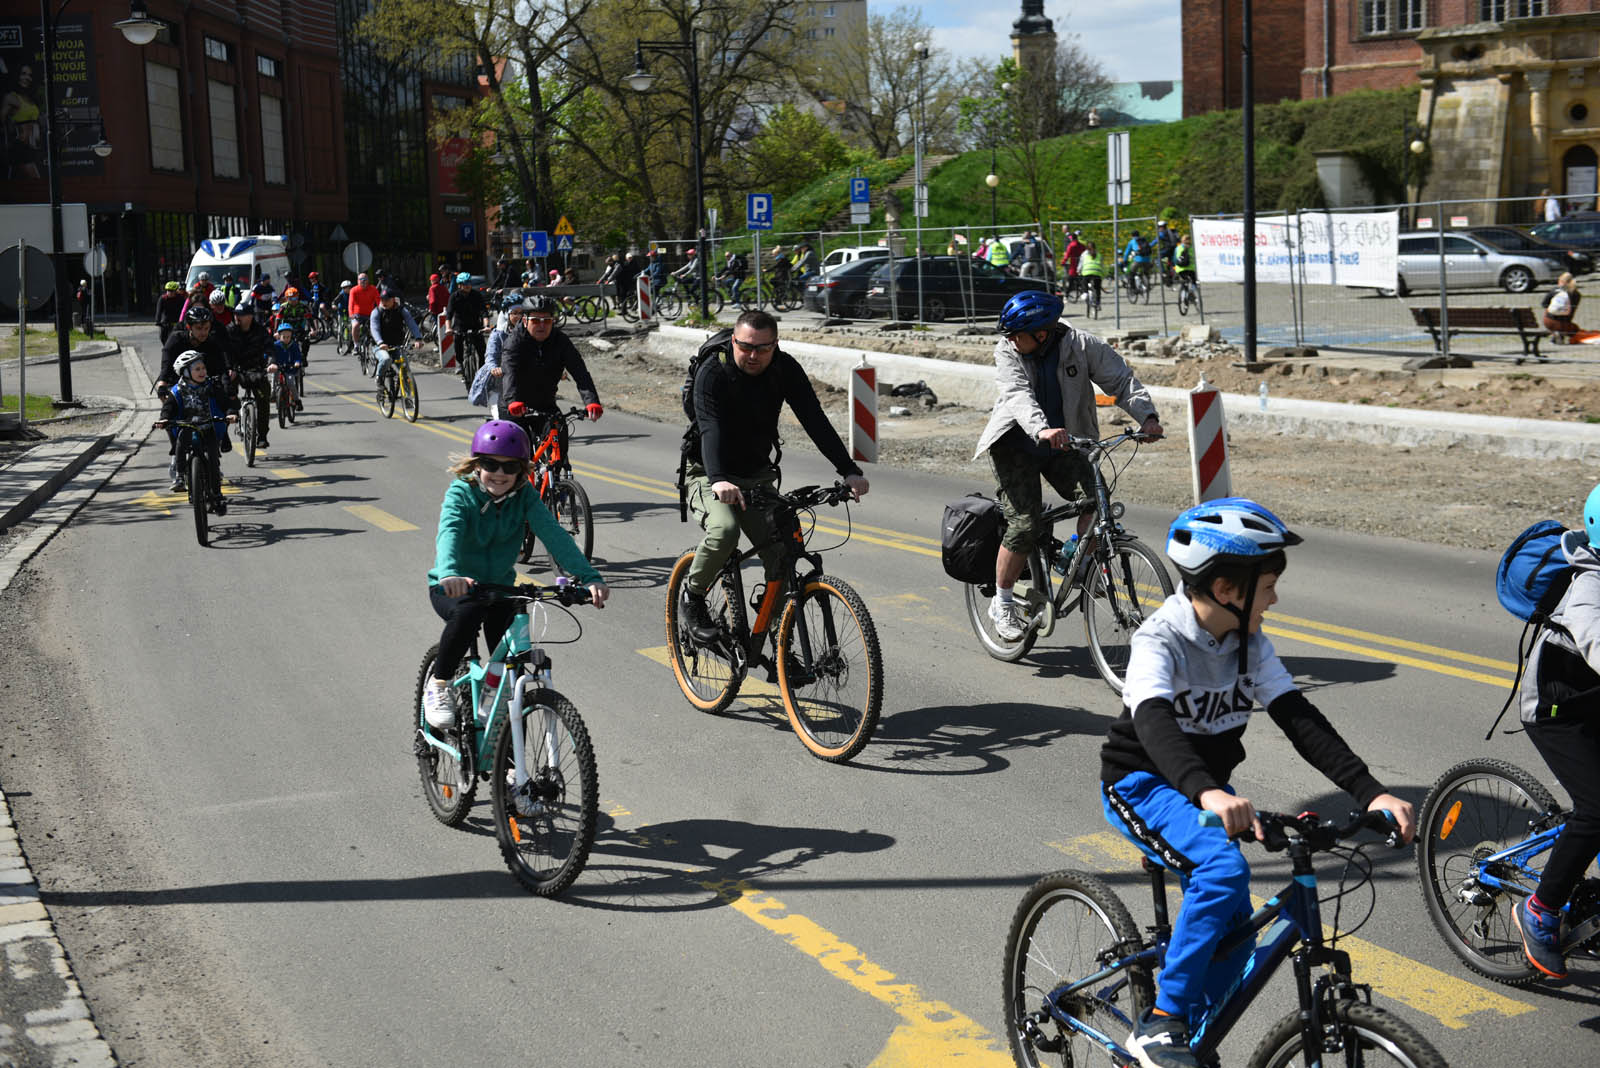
(1197,668)
(285,355)
(1559,702)
(481,524)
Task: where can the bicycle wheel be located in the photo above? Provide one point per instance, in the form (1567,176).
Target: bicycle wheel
(1184,300)
(448,799)
(1476,809)
(569,503)
(200,497)
(247,429)
(669,305)
(388,388)
(291,393)
(1033,598)
(410,402)
(1366,1034)
(342,346)
(830,669)
(281,398)
(706,676)
(1118,600)
(546,826)
(1064,927)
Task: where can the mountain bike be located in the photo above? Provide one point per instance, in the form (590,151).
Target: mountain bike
(196,446)
(1188,293)
(1482,839)
(395,381)
(1116,579)
(1078,972)
(824,654)
(364,357)
(286,386)
(469,354)
(550,471)
(247,420)
(513,729)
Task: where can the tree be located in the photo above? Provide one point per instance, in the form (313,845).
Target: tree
(792,148)
(875,85)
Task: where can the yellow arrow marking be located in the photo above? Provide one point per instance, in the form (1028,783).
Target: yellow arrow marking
(379,518)
(297,476)
(931,1032)
(1441,995)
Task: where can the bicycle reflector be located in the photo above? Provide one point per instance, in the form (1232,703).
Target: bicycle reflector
(1449,823)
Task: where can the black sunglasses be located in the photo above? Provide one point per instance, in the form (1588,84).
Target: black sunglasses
(500,467)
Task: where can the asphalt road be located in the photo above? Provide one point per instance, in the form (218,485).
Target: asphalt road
(208,757)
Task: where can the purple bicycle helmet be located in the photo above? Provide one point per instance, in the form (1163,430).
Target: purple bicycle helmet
(500,437)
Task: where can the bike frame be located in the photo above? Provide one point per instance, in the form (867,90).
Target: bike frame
(1516,864)
(190,439)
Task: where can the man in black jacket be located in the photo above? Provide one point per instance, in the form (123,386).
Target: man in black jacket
(198,332)
(532,361)
(246,341)
(738,396)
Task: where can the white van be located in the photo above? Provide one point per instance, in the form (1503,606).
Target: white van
(249,256)
(837,256)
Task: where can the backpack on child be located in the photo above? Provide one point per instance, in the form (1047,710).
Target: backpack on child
(1532,578)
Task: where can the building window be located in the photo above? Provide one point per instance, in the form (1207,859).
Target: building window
(166,116)
(1383,17)
(224,130)
(268,66)
(827,31)
(221,51)
(272,165)
(828,11)
(1500,10)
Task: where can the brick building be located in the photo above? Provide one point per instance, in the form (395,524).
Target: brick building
(1212,36)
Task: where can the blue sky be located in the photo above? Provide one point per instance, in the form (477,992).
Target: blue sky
(1135,40)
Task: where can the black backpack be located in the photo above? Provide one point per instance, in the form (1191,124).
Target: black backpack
(970,538)
(1141,246)
(713,347)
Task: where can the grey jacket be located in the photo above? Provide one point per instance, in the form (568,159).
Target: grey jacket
(1086,362)
(1574,634)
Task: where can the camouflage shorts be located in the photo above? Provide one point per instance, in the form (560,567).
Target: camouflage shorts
(1017,472)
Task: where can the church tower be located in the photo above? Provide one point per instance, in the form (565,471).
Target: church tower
(1033,40)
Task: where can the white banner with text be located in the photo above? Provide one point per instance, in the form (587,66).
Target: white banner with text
(1320,248)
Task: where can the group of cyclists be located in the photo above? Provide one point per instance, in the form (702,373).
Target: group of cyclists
(1085,269)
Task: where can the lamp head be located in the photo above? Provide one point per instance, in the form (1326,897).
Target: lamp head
(992,180)
(1418,147)
(102,147)
(139,28)
(640,80)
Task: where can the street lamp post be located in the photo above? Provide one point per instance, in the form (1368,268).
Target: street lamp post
(688,53)
(140,29)
(993,178)
(1415,143)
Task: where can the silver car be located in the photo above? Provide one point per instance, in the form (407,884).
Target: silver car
(1470,263)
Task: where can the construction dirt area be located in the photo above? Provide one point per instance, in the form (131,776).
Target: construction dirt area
(1449,496)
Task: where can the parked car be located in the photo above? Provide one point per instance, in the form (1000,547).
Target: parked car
(1513,239)
(837,256)
(1470,263)
(1580,230)
(948,283)
(842,288)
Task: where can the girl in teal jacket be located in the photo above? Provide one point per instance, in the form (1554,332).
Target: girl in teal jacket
(481,525)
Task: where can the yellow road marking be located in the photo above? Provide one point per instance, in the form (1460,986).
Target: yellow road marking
(931,1031)
(1499,681)
(297,476)
(379,518)
(1446,998)
(760,688)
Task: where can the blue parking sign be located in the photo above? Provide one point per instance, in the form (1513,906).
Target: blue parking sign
(758,211)
(468,232)
(858,191)
(535,244)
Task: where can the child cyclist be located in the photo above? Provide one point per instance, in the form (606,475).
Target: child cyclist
(285,355)
(196,397)
(1197,668)
(1559,704)
(481,524)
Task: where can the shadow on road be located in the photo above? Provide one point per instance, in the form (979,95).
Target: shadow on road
(970,739)
(1315,672)
(623,511)
(230,535)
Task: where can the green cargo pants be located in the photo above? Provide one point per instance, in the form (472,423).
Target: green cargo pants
(722,524)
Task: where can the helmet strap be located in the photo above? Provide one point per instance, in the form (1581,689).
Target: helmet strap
(1242,614)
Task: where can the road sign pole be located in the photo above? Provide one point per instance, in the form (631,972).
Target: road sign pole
(22,334)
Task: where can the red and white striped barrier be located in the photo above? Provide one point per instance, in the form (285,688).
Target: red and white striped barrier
(864,412)
(647,302)
(1208,444)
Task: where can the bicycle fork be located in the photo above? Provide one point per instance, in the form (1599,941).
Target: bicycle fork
(527,794)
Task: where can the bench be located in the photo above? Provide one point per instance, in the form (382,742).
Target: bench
(1518,321)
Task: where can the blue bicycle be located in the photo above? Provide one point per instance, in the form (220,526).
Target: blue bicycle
(1484,834)
(1078,972)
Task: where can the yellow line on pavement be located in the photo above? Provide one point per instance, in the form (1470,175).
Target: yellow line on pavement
(442,429)
(1388,657)
(379,518)
(930,1032)
(759,687)
(1450,1000)
(1398,643)
(297,476)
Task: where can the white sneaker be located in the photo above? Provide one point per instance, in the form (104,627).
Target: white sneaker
(439,704)
(1008,622)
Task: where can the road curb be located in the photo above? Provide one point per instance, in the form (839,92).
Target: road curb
(972,385)
(41,471)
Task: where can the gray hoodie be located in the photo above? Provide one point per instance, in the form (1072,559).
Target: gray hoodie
(1566,655)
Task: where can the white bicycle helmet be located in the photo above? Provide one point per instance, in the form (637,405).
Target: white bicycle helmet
(184,359)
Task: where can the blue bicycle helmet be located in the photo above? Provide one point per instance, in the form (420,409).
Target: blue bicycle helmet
(1591,517)
(1227,531)
(1033,309)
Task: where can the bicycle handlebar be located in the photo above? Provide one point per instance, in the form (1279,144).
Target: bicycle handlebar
(1320,834)
(1109,443)
(804,497)
(519,410)
(568,593)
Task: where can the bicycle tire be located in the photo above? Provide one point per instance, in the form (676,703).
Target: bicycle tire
(1113,610)
(1478,808)
(410,401)
(1185,300)
(669,305)
(200,498)
(440,772)
(1370,1036)
(562,824)
(281,398)
(709,682)
(833,727)
(1086,920)
(342,346)
(627,309)
(247,430)
(388,387)
(1033,596)
(290,394)
(569,503)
